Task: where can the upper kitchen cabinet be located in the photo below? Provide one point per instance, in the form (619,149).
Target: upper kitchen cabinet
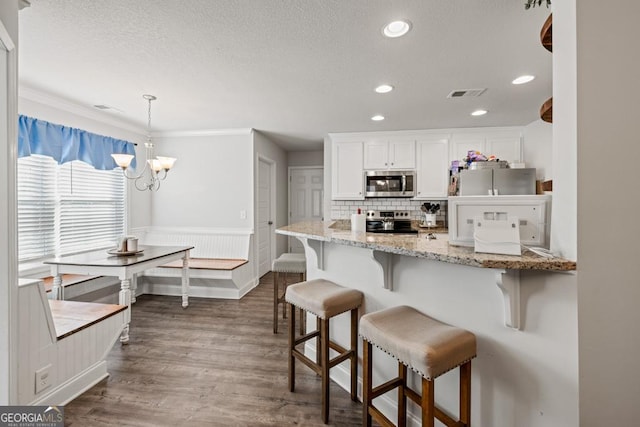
(432,171)
(504,144)
(347,177)
(390,154)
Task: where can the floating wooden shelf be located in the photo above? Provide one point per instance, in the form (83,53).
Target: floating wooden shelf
(546,34)
(546,111)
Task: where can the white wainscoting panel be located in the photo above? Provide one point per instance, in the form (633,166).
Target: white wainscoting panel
(208,243)
(77,361)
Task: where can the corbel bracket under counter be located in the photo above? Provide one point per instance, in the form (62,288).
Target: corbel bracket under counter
(317,246)
(509,283)
(384,261)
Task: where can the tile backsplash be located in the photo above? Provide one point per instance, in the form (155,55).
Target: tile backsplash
(342,209)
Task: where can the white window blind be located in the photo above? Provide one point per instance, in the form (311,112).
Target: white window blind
(67,208)
(91,207)
(36,207)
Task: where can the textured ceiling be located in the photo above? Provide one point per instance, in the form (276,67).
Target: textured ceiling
(294,69)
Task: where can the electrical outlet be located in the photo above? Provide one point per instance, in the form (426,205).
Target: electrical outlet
(43,378)
(243,214)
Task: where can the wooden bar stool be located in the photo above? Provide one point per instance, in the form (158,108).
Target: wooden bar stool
(325,300)
(428,347)
(286,263)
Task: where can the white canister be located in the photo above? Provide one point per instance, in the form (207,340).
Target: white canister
(132,244)
(430,220)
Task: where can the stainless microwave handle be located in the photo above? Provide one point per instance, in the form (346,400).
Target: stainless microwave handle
(404,183)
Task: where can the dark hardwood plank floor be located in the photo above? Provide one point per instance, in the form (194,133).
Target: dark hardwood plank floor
(217,363)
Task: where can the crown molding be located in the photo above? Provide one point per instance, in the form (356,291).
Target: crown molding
(204,132)
(53,101)
(71,107)
(417,133)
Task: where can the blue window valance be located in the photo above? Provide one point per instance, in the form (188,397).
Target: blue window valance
(66,144)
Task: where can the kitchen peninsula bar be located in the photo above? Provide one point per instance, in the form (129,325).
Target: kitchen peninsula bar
(522,375)
(437,249)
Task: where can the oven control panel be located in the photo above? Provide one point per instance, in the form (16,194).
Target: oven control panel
(394,215)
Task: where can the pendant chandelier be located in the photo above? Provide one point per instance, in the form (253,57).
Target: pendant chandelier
(158,167)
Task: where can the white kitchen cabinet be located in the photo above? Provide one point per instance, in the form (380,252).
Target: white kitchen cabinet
(392,154)
(432,171)
(347,177)
(507,148)
(505,145)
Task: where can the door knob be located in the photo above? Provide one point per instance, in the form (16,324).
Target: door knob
(270,223)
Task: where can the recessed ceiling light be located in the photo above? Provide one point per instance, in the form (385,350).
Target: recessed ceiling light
(384,88)
(377,118)
(396,29)
(479,113)
(522,80)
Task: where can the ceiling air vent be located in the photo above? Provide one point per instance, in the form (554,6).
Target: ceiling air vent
(107,107)
(466,93)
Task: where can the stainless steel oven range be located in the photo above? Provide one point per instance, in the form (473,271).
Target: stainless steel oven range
(389,222)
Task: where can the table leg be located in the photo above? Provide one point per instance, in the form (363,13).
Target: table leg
(125,299)
(134,288)
(56,290)
(185,280)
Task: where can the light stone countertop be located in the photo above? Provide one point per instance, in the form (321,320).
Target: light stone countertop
(418,246)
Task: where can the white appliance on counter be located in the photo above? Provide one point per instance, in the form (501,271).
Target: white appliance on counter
(533,213)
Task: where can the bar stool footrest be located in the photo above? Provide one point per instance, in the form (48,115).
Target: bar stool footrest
(308,362)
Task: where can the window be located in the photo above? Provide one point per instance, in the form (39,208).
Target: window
(67,208)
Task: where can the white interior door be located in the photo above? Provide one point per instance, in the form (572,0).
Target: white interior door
(265,221)
(306,189)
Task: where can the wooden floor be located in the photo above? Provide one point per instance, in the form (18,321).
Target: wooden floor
(217,363)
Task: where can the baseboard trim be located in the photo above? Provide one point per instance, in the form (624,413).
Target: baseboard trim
(197,292)
(208,290)
(248,287)
(74,387)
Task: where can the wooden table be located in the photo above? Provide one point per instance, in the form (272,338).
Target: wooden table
(124,267)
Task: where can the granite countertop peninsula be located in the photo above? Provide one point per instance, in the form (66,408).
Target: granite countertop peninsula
(419,246)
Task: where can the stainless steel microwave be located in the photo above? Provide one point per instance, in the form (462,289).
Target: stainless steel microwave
(390,183)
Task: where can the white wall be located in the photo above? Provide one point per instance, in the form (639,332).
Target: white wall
(537,148)
(607,140)
(210,183)
(54,110)
(8,246)
(305,158)
(269,149)
(564,214)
